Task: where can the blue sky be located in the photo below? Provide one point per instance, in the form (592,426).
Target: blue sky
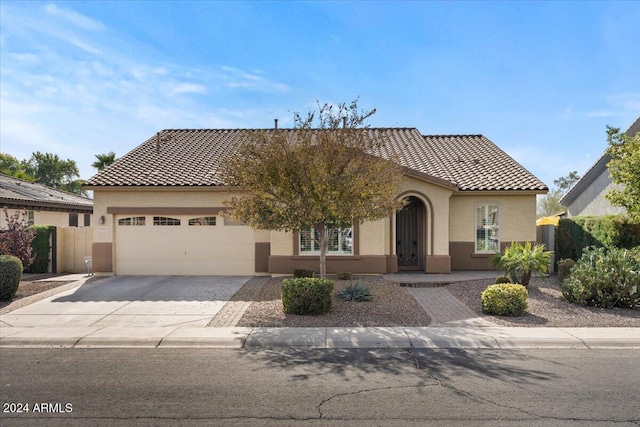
(540,79)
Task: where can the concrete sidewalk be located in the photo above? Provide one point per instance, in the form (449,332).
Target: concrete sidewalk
(344,338)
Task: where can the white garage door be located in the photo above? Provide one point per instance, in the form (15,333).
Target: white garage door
(182,245)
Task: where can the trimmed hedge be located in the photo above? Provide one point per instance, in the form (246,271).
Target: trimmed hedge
(505,299)
(10,274)
(40,248)
(306,295)
(610,231)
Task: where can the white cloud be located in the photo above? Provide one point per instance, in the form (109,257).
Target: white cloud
(182,88)
(75,18)
(107,95)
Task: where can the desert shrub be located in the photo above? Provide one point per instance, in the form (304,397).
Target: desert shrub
(504,299)
(520,261)
(301,272)
(605,278)
(343,275)
(306,295)
(357,292)
(564,268)
(10,274)
(502,279)
(40,248)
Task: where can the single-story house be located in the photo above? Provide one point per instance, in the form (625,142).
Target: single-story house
(587,196)
(44,205)
(160,210)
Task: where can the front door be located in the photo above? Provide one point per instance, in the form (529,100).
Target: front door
(409,235)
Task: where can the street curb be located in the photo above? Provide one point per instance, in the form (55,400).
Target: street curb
(334,338)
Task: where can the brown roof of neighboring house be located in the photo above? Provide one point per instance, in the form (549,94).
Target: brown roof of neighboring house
(15,192)
(192,157)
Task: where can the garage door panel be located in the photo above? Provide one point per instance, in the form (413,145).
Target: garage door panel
(184,249)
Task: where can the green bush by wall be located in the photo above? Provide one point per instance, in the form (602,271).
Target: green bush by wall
(10,274)
(610,231)
(40,245)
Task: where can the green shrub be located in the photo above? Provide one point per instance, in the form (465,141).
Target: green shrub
(357,292)
(306,295)
(40,248)
(520,261)
(605,278)
(505,299)
(564,268)
(502,279)
(301,272)
(10,274)
(342,275)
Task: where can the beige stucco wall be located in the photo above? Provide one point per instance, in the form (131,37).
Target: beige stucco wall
(517,216)
(73,245)
(55,218)
(372,237)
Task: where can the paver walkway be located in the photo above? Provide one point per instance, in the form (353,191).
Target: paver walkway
(445,309)
(233,311)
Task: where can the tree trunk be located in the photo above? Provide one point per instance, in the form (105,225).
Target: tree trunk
(323,242)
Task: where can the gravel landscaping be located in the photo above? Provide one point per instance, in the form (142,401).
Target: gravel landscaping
(35,286)
(392,305)
(547,307)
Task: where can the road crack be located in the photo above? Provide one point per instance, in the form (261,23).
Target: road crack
(416,361)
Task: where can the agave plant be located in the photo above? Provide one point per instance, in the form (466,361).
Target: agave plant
(520,261)
(357,292)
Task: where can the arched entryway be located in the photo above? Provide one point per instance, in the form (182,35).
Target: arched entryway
(410,233)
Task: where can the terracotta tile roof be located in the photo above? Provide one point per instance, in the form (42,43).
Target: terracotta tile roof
(192,157)
(16,192)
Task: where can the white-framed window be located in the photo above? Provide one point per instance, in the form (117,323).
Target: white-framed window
(165,220)
(203,220)
(31,217)
(132,220)
(487,226)
(340,243)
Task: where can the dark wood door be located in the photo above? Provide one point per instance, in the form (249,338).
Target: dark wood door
(409,235)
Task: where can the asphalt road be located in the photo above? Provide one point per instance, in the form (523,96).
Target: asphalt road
(282,387)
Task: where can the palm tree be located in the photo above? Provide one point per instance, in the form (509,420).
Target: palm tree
(521,261)
(104,160)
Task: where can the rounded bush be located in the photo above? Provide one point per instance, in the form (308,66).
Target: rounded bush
(306,295)
(10,274)
(505,299)
(502,279)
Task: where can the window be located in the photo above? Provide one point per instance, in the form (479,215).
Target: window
(340,243)
(134,220)
(31,217)
(87,220)
(165,220)
(205,220)
(73,220)
(487,227)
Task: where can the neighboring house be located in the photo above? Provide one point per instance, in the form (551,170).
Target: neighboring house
(587,196)
(161,211)
(44,205)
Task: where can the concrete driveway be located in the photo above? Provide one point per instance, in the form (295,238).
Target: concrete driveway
(130,301)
